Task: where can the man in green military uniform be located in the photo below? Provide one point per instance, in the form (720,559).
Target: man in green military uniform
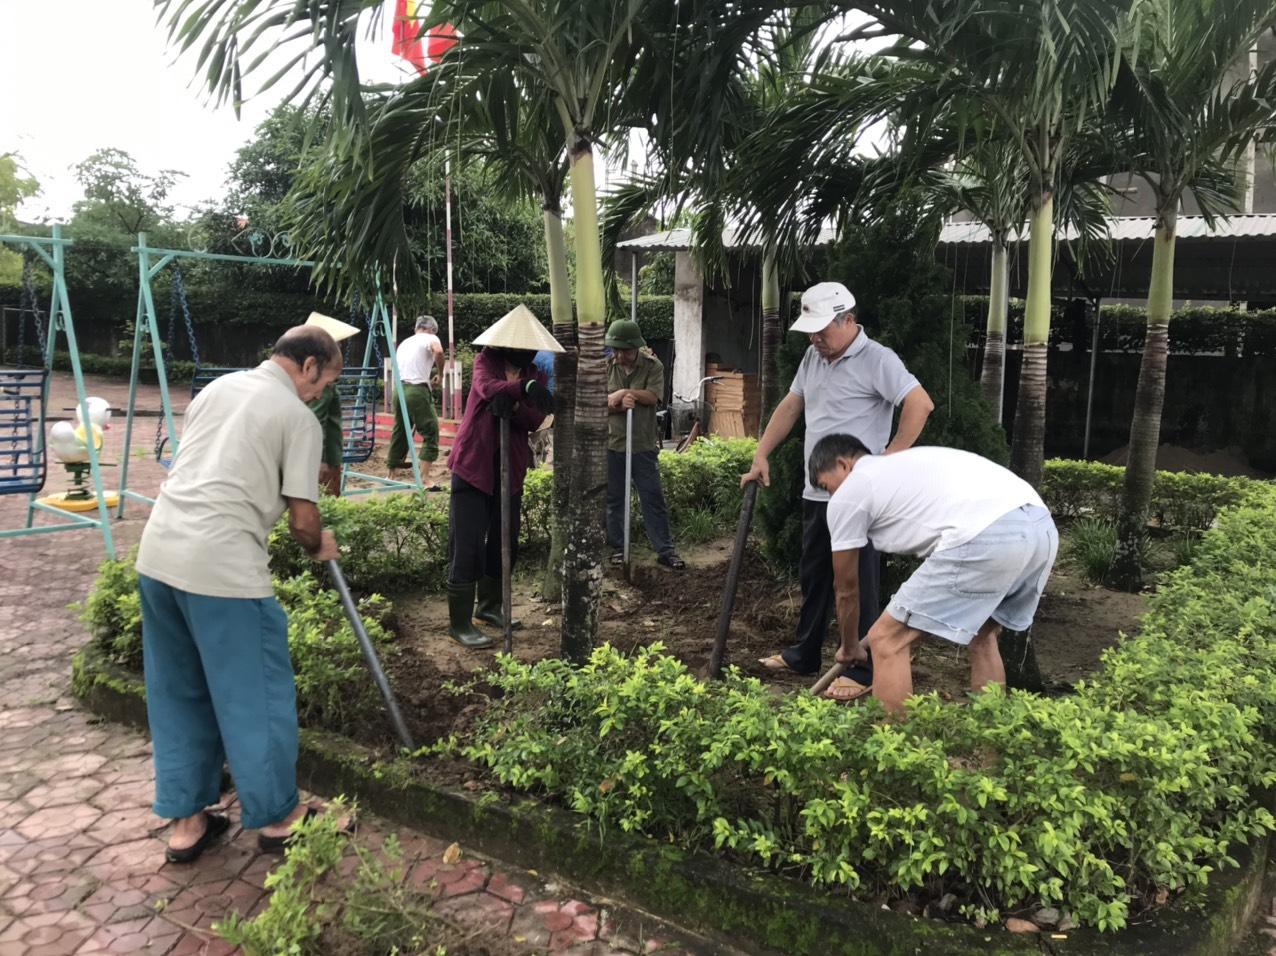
(635,380)
(327,408)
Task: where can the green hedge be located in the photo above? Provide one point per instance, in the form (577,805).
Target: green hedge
(1194,330)
(1180,501)
(1135,787)
(332,689)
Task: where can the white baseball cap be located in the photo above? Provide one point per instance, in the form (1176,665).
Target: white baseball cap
(821,304)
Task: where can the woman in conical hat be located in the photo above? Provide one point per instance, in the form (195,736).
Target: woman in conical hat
(327,408)
(505,383)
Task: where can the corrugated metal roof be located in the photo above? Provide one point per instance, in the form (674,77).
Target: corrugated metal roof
(679,240)
(1135,229)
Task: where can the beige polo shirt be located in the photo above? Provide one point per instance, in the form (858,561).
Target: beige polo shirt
(248,442)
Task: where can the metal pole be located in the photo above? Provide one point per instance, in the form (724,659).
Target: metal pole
(733,579)
(1089,397)
(507,558)
(452,396)
(629,472)
(633,286)
(370,654)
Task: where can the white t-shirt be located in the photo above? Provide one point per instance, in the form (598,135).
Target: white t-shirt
(248,442)
(416,357)
(922,500)
(856,394)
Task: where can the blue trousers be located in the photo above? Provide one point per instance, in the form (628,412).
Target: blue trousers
(651,496)
(219,687)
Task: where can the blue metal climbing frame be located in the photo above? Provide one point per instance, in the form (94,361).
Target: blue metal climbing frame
(150,261)
(26,391)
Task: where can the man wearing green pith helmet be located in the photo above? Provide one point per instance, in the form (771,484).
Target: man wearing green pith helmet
(635,380)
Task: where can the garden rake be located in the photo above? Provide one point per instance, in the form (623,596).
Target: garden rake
(370,654)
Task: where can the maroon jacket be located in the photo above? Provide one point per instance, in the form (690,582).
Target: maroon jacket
(475,454)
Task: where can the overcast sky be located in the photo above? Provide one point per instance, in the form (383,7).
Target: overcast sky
(78,76)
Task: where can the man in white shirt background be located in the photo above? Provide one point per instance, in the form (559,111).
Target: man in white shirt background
(987,537)
(418,356)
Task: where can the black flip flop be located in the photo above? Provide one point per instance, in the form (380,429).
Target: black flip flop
(672,561)
(277,844)
(214,826)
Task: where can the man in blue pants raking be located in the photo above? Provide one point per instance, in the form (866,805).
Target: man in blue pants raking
(219,680)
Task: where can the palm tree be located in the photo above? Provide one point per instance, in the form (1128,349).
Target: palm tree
(1189,119)
(597,67)
(1041,70)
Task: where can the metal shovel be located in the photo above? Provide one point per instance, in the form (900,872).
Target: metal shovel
(370,654)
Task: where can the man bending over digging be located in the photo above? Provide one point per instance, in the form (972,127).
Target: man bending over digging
(987,537)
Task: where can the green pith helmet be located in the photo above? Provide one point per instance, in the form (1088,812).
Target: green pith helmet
(624,334)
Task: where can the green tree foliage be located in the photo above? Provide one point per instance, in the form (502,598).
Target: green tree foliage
(498,243)
(15,186)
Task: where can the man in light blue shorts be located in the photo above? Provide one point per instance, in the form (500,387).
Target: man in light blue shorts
(987,537)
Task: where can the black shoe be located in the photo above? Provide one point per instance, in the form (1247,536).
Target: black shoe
(215,824)
(489,604)
(460,609)
(618,557)
(671,560)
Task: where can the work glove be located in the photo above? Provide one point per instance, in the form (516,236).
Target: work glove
(501,405)
(538,395)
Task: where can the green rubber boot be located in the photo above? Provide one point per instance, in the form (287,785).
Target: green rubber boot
(460,609)
(489,604)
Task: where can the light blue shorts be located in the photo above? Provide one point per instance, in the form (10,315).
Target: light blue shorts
(1000,574)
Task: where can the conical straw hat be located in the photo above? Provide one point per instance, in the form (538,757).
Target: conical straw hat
(335,327)
(519,329)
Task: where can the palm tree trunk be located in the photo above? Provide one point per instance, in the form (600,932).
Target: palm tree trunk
(1027,448)
(992,377)
(770,378)
(560,307)
(1149,398)
(582,565)
(1027,451)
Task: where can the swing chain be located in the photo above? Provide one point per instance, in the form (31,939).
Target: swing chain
(354,315)
(30,302)
(179,301)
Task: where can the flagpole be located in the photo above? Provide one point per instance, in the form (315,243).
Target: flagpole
(453,393)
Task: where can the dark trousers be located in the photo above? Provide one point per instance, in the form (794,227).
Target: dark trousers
(651,495)
(818,599)
(474,540)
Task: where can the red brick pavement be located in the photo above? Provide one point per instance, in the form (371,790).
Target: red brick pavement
(82,867)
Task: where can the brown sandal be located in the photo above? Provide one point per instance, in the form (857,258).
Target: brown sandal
(776,662)
(851,690)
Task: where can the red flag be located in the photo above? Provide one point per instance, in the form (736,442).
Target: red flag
(439,40)
(407,34)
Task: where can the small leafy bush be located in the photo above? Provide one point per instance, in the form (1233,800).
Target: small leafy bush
(113,612)
(314,910)
(701,485)
(389,543)
(334,690)
(1135,788)
(1180,501)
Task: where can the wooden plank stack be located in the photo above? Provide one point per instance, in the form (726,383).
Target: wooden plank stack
(726,396)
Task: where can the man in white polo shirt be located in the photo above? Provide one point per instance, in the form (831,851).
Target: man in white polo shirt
(987,537)
(219,680)
(846,383)
(418,356)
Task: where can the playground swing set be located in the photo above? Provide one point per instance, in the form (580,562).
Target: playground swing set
(359,386)
(24,399)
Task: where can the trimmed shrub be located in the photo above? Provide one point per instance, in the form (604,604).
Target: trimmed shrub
(1180,501)
(333,690)
(388,543)
(1129,792)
